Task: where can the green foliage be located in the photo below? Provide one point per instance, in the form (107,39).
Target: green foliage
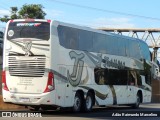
(32,11)
(27,11)
(14,13)
(4,19)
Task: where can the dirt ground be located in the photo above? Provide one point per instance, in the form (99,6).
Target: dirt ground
(7,106)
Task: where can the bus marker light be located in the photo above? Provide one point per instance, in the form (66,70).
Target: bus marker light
(49,21)
(4,85)
(11,21)
(50,83)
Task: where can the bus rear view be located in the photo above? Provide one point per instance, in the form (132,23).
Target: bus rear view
(26,75)
(49,64)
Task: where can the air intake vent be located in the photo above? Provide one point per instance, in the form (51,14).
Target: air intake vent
(27,66)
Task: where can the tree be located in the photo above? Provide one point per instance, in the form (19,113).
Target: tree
(32,11)
(14,13)
(27,11)
(5,18)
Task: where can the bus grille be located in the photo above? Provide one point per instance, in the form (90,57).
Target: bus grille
(30,67)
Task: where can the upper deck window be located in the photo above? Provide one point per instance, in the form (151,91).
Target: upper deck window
(29,29)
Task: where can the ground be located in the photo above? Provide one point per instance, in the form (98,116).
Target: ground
(7,106)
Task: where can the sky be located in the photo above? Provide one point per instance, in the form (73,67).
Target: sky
(95,13)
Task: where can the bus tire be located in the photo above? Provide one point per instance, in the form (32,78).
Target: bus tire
(138,101)
(88,102)
(77,103)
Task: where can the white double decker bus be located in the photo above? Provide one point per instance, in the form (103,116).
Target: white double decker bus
(50,64)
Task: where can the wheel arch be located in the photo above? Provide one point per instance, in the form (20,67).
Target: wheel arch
(81,92)
(84,94)
(141,95)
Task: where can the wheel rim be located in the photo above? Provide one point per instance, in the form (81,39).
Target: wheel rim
(88,102)
(77,103)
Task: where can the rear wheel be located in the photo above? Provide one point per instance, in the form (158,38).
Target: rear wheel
(88,102)
(77,103)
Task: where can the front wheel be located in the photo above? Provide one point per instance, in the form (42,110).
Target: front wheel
(138,101)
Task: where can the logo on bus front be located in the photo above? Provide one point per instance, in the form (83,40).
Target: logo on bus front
(27,47)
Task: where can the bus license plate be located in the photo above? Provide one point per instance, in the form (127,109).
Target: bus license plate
(24,99)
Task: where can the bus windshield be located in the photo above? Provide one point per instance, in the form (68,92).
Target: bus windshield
(28,29)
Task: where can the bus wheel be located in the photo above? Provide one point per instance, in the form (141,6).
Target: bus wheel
(88,102)
(138,101)
(77,103)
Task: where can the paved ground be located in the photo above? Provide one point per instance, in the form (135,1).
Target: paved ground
(112,112)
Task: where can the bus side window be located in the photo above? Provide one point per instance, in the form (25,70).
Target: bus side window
(133,78)
(72,43)
(72,38)
(101,76)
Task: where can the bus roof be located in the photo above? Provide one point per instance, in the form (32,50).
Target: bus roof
(98,31)
(42,20)
(55,22)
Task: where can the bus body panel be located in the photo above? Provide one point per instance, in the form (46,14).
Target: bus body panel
(73,70)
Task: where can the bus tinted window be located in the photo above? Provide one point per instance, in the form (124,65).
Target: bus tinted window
(85,40)
(1,34)
(134,50)
(100,43)
(121,46)
(68,37)
(111,45)
(1,48)
(73,38)
(33,29)
(118,77)
(145,51)
(105,76)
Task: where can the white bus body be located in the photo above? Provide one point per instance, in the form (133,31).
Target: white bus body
(52,64)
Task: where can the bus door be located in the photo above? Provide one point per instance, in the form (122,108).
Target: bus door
(121,94)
